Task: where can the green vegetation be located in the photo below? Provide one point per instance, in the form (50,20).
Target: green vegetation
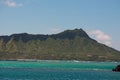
(68,45)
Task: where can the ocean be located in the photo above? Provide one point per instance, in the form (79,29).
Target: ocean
(58,70)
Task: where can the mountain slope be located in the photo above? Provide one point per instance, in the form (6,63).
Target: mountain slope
(67,45)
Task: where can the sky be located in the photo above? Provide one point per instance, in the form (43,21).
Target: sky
(99,18)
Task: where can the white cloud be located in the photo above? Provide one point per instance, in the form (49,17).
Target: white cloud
(108,43)
(11,3)
(56,30)
(101,37)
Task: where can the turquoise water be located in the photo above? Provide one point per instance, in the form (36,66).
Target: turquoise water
(58,70)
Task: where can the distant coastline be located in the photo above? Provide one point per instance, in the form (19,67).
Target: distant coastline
(37,60)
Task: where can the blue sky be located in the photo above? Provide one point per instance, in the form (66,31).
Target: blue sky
(100,18)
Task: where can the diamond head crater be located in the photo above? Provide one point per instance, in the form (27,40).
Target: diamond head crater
(67,45)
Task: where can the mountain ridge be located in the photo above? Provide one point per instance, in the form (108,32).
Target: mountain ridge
(70,34)
(67,45)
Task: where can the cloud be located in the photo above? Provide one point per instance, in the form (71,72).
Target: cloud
(108,43)
(11,3)
(101,37)
(56,30)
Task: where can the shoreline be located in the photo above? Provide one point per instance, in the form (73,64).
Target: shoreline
(38,60)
